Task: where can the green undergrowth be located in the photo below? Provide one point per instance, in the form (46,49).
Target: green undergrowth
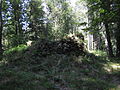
(99,53)
(28,70)
(16,49)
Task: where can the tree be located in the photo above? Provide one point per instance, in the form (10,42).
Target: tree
(62,16)
(17,19)
(99,18)
(117,34)
(36,18)
(106,7)
(1,29)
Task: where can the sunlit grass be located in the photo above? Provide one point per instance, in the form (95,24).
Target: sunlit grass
(98,52)
(112,67)
(16,49)
(117,88)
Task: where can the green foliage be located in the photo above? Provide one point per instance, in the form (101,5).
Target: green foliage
(58,60)
(62,16)
(99,53)
(56,71)
(36,19)
(20,80)
(33,69)
(16,49)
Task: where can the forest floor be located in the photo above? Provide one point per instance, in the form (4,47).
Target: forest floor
(61,72)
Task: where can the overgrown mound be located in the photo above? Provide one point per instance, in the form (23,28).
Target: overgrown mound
(53,65)
(69,45)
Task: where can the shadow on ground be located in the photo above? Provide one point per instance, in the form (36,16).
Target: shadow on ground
(59,72)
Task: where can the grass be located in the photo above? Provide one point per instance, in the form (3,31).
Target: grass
(16,49)
(99,53)
(58,72)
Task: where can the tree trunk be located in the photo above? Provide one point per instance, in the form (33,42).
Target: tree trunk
(1,29)
(110,51)
(118,45)
(106,6)
(118,34)
(16,26)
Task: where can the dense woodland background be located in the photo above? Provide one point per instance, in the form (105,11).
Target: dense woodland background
(24,20)
(58,45)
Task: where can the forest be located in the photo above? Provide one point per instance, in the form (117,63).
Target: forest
(59,44)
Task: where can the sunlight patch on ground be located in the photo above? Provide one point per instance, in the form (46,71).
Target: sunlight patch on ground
(117,88)
(112,67)
(98,52)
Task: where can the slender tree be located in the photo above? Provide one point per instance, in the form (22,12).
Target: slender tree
(99,16)
(17,16)
(36,18)
(1,29)
(118,30)
(106,7)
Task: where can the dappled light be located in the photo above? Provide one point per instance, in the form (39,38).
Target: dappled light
(116,66)
(112,67)
(59,45)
